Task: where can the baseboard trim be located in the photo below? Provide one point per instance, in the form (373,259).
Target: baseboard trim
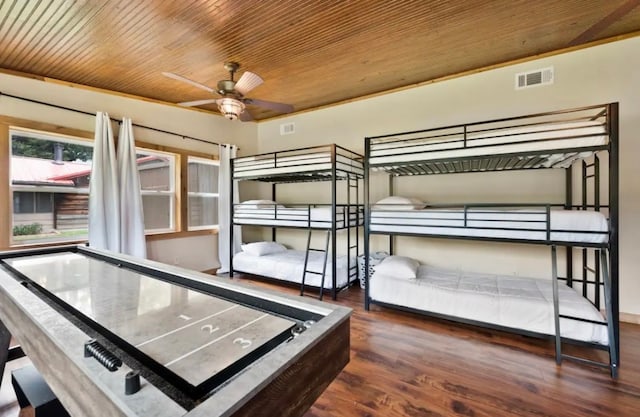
(630,318)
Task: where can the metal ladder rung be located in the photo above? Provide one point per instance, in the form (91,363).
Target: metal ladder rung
(313,272)
(585,360)
(316,250)
(580,281)
(603,323)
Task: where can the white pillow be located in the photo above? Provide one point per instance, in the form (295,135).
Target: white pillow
(403,203)
(263,248)
(258,204)
(398,267)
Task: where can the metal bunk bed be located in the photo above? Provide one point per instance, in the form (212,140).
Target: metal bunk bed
(576,140)
(328,163)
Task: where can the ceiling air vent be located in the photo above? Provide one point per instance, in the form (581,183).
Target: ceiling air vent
(287,129)
(534,78)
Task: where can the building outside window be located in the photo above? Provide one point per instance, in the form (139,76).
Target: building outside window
(50,187)
(202,193)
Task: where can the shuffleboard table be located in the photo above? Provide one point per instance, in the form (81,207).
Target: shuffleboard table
(114,335)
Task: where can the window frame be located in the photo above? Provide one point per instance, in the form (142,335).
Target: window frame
(35,189)
(171,193)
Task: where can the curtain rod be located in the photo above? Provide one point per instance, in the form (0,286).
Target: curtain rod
(112,118)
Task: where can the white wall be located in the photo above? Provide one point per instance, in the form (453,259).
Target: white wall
(597,75)
(199,253)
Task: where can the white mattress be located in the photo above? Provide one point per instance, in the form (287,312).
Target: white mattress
(297,216)
(266,165)
(493,142)
(288,266)
(519,303)
(571,225)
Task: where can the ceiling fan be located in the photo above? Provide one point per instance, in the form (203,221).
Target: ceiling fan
(233,100)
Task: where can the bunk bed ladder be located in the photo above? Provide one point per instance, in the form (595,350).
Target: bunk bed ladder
(352,242)
(306,271)
(613,356)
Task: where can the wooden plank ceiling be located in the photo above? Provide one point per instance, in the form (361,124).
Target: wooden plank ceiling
(310,53)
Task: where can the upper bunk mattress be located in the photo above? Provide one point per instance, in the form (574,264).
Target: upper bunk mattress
(589,227)
(513,302)
(559,139)
(268,165)
(315,217)
(289,265)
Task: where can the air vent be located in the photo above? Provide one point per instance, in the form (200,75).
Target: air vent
(287,129)
(534,78)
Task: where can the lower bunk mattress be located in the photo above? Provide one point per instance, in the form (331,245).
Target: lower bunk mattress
(512,302)
(289,265)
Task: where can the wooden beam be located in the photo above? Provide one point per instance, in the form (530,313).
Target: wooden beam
(607,21)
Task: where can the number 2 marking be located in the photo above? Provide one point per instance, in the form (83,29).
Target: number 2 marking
(210,328)
(242,342)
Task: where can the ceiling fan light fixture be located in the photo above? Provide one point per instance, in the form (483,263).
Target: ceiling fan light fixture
(230,107)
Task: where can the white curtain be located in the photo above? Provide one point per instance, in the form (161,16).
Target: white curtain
(115,203)
(226,153)
(132,240)
(104,205)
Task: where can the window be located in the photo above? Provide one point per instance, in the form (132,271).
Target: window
(23,202)
(48,195)
(50,187)
(157,183)
(202,191)
(27,202)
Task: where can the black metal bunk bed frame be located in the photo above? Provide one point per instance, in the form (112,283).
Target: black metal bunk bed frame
(605,271)
(304,159)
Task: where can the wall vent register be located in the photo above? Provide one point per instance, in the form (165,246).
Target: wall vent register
(534,78)
(287,129)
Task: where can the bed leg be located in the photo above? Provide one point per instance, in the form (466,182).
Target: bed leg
(613,356)
(556,302)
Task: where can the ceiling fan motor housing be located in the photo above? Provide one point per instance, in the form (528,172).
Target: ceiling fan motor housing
(226,87)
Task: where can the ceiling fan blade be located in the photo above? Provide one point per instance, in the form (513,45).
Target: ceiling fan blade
(248,82)
(188,81)
(271,105)
(245,116)
(197,102)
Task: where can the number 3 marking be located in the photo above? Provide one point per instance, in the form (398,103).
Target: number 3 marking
(242,342)
(210,328)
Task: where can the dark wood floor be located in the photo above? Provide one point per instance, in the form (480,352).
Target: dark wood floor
(408,365)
